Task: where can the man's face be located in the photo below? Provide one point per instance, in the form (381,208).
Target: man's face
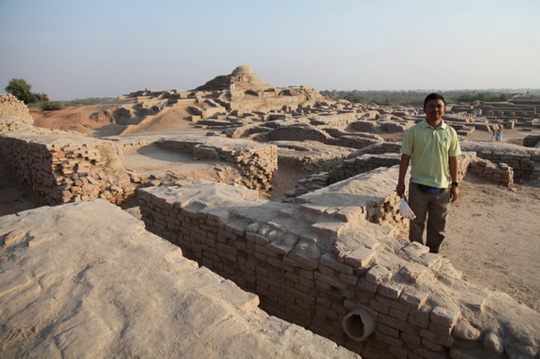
(434,110)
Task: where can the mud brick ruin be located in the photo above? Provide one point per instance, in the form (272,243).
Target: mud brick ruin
(327,257)
(108,261)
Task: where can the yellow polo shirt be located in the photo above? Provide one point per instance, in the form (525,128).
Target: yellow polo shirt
(429,149)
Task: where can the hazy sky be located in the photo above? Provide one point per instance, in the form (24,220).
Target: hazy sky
(105,48)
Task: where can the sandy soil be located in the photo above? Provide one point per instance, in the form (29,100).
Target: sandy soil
(494,237)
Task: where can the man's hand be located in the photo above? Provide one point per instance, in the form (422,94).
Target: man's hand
(454,193)
(400,189)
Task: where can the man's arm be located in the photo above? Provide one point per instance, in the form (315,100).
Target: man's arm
(454,190)
(403,166)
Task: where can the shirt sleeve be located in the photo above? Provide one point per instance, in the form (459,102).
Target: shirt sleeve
(455,148)
(407,143)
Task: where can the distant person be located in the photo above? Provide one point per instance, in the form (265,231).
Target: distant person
(432,147)
(232,87)
(498,135)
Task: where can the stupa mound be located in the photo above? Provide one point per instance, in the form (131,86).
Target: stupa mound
(243,77)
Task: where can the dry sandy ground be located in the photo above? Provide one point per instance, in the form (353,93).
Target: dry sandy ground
(494,238)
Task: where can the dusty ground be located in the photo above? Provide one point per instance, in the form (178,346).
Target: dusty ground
(494,237)
(493,233)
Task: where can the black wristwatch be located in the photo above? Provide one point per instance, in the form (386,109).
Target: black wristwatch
(455,184)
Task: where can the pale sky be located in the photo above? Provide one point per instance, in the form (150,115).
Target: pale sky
(105,48)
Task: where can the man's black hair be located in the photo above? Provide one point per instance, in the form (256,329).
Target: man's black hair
(434,96)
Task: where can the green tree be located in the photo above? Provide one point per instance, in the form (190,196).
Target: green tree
(40,97)
(21,89)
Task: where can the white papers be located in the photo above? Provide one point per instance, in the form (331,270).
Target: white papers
(405,210)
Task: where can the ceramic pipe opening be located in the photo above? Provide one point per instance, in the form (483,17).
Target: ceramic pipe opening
(358,324)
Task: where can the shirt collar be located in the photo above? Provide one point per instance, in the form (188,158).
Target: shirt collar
(425,124)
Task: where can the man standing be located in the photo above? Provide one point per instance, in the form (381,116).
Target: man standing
(432,146)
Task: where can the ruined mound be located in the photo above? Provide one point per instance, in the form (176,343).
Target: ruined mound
(11,106)
(82,119)
(14,115)
(242,77)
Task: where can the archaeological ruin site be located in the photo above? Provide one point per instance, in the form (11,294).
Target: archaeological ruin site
(241,220)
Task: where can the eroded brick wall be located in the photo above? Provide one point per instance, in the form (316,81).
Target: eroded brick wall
(501,173)
(63,169)
(522,160)
(363,163)
(314,261)
(256,162)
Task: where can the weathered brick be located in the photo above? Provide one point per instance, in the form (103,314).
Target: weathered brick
(430,345)
(413,272)
(326,312)
(360,257)
(440,328)
(445,316)
(302,261)
(388,330)
(444,340)
(392,303)
(223,248)
(413,298)
(261,240)
(339,309)
(395,342)
(349,279)
(399,353)
(377,274)
(278,263)
(367,286)
(391,289)
(326,270)
(399,314)
(379,307)
(333,281)
(419,321)
(328,260)
(396,323)
(412,339)
(324,302)
(415,249)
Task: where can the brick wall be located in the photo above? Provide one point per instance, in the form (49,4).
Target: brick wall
(257,162)
(10,106)
(362,163)
(522,160)
(332,253)
(501,173)
(63,169)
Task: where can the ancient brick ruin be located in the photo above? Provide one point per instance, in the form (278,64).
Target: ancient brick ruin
(99,285)
(331,253)
(329,256)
